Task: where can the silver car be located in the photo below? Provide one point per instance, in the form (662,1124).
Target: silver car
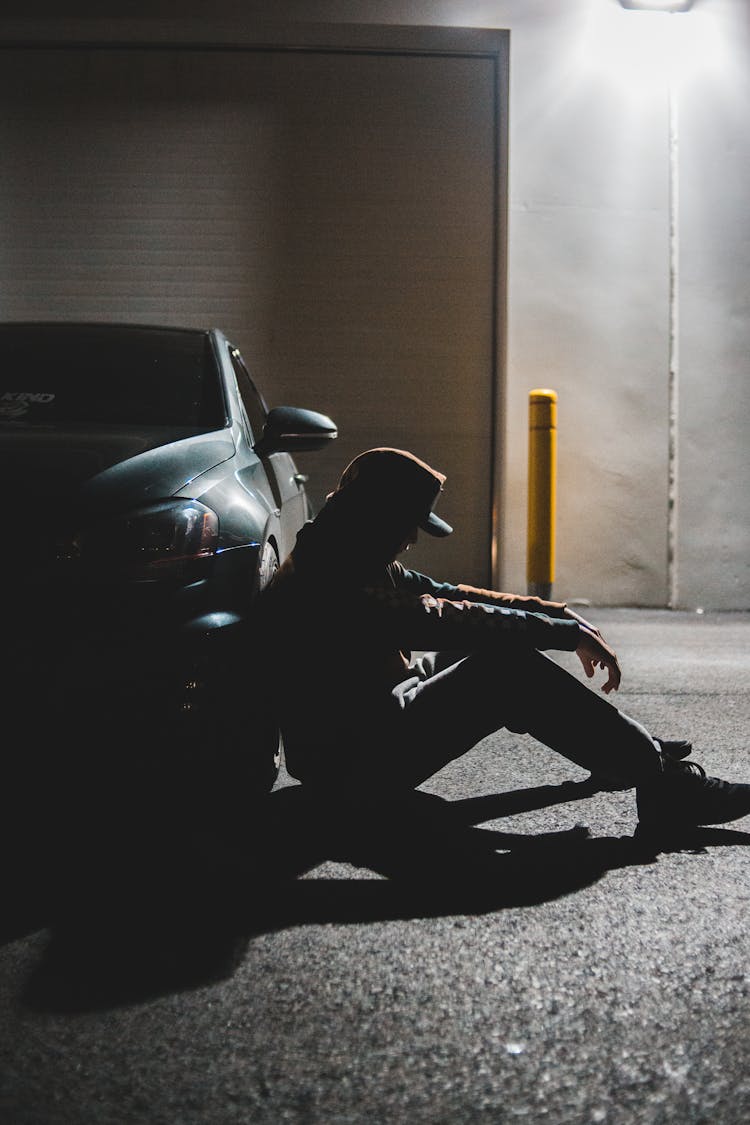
(148,495)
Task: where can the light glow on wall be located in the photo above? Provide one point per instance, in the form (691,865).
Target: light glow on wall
(650,63)
(638,54)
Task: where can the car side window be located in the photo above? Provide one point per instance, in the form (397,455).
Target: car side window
(252,400)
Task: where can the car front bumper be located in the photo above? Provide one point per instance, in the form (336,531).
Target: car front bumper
(133,643)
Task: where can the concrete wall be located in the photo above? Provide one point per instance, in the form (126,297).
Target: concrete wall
(642,329)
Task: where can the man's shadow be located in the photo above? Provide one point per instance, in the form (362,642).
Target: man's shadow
(133,915)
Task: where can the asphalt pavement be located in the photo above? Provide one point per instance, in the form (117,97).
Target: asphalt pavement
(500,948)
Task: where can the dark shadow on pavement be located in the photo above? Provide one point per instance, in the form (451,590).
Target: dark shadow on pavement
(149,908)
(477,810)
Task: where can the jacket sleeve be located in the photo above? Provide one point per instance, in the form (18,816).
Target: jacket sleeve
(410,615)
(422,584)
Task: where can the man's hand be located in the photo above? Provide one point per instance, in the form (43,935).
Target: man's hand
(594,653)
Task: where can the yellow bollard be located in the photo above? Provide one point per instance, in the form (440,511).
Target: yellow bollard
(540,526)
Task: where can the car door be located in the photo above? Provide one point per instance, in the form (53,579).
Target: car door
(285,482)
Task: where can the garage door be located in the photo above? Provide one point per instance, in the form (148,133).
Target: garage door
(338,213)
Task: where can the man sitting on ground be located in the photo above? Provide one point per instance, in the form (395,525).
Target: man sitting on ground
(365,717)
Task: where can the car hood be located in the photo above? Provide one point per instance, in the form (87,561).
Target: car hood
(118,468)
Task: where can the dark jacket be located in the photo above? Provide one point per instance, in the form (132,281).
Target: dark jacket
(339,635)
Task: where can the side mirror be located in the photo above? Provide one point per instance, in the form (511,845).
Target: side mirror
(289,429)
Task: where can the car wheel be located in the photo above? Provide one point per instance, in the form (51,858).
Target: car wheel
(270,741)
(238,743)
(268,565)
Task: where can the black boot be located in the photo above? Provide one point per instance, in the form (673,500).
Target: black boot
(684,797)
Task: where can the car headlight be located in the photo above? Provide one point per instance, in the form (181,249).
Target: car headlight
(173,540)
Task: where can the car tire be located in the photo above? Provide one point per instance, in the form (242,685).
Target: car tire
(235,745)
(268,744)
(268,564)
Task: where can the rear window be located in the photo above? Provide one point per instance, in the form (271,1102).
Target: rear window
(53,374)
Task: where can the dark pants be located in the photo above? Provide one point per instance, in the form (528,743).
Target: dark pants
(453,701)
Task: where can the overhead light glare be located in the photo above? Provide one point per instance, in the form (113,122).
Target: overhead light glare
(657,5)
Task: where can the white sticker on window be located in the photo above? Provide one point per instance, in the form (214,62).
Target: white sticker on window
(14,404)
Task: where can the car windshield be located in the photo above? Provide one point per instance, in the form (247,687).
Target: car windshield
(56,374)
